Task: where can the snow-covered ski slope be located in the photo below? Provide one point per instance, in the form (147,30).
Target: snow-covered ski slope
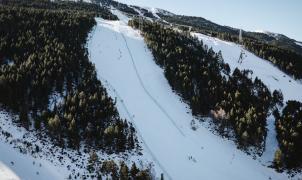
(274,78)
(127,69)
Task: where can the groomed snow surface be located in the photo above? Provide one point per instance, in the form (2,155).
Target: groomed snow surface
(127,69)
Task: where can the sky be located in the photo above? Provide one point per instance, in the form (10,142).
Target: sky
(279,16)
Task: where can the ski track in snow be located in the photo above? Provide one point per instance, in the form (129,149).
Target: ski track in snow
(147,92)
(127,69)
(130,117)
(199,154)
(50,162)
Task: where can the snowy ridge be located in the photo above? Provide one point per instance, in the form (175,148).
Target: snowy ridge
(164,12)
(299,43)
(271,34)
(154,11)
(206,155)
(150,10)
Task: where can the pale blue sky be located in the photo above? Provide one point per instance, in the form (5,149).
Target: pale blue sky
(280,16)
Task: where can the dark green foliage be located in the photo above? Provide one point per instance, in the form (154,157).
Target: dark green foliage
(195,72)
(92,161)
(198,23)
(286,60)
(278,98)
(42,53)
(79,7)
(282,52)
(120,6)
(278,159)
(289,134)
(122,171)
(247,105)
(134,170)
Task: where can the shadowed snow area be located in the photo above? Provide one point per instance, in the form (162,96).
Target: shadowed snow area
(15,165)
(127,69)
(7,173)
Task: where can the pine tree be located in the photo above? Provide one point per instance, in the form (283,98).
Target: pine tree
(134,170)
(278,159)
(93,160)
(54,123)
(124,171)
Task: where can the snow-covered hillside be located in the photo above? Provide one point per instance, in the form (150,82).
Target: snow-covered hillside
(163,122)
(20,160)
(299,43)
(15,165)
(127,69)
(274,78)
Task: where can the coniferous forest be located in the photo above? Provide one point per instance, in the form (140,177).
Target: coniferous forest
(46,78)
(194,71)
(289,135)
(39,57)
(235,101)
(288,59)
(43,55)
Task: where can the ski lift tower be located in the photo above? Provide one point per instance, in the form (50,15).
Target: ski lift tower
(242,53)
(240,37)
(139,22)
